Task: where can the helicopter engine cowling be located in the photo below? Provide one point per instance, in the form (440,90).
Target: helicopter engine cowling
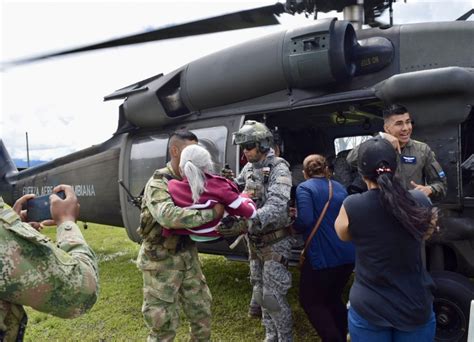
(305,57)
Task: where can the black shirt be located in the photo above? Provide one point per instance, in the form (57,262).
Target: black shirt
(392,287)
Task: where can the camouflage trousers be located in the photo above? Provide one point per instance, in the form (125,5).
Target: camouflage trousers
(165,290)
(12,322)
(271,281)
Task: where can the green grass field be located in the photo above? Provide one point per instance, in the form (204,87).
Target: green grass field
(117,314)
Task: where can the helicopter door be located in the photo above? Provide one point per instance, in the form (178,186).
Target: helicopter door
(145,153)
(140,157)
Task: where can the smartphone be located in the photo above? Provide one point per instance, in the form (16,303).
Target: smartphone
(39,208)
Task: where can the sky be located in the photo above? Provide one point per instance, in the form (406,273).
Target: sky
(59,102)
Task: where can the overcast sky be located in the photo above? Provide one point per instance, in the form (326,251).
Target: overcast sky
(59,101)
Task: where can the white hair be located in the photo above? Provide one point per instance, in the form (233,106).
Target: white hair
(194,163)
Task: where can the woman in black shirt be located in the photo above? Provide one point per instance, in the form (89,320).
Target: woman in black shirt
(391,298)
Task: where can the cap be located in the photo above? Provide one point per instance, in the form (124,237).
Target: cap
(376,156)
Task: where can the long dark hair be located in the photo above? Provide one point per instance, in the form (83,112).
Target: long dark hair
(378,163)
(420,221)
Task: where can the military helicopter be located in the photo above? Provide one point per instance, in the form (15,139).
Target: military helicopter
(323,86)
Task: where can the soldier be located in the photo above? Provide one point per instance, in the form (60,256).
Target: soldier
(171,269)
(60,280)
(417,165)
(267,180)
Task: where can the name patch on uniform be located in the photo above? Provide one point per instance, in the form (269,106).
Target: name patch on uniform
(284,180)
(408,160)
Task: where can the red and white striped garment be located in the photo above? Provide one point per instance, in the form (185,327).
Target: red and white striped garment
(217,190)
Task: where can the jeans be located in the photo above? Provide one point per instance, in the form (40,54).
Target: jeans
(363,331)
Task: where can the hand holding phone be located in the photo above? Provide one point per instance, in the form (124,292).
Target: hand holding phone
(39,208)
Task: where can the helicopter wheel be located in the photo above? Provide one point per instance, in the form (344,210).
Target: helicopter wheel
(451,305)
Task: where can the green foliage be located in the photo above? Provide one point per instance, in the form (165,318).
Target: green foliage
(117,314)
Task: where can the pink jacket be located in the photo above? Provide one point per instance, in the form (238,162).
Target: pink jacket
(217,190)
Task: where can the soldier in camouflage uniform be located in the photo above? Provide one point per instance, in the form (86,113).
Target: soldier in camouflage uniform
(172,274)
(58,279)
(417,165)
(267,180)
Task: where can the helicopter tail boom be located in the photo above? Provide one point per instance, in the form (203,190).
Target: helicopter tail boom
(7,167)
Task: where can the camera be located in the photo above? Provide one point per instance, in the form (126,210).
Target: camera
(38,208)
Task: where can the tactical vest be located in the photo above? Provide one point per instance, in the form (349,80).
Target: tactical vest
(256,180)
(151,231)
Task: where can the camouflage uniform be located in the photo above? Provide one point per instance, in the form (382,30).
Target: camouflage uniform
(417,163)
(61,280)
(268,183)
(171,269)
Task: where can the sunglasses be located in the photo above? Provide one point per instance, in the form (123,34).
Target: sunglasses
(248,146)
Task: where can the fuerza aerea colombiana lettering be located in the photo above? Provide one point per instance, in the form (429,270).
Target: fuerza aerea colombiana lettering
(81,190)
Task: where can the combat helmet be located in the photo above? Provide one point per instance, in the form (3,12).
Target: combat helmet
(254,132)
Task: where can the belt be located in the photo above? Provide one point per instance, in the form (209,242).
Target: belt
(279,258)
(269,238)
(183,243)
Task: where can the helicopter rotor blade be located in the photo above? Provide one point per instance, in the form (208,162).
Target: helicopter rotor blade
(466,15)
(256,17)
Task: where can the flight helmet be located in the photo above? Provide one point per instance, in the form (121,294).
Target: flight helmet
(254,132)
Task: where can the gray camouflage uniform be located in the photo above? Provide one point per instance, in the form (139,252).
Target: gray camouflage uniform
(268,182)
(417,163)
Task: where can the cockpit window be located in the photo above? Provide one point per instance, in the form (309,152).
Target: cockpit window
(348,143)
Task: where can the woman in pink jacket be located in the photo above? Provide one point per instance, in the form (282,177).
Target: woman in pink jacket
(199,189)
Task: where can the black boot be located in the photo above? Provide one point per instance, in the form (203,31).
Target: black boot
(255,310)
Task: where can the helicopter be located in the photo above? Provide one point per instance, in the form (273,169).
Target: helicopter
(323,87)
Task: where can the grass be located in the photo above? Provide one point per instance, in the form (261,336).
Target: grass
(117,314)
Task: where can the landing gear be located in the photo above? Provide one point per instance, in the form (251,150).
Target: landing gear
(451,305)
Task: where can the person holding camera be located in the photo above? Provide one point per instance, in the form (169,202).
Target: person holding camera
(56,278)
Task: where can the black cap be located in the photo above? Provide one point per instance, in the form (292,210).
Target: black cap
(376,156)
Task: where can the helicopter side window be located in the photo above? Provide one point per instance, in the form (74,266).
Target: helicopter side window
(342,171)
(213,139)
(147,154)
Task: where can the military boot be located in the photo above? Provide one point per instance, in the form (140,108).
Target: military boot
(255,310)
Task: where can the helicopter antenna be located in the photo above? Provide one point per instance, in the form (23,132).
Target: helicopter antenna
(135,200)
(27,151)
(390,11)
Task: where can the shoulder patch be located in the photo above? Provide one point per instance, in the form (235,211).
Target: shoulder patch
(8,215)
(283,180)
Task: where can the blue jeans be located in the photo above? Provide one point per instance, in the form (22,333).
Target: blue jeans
(363,331)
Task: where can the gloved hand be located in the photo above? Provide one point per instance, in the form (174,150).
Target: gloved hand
(227,172)
(231,226)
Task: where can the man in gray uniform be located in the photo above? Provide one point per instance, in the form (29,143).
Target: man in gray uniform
(417,164)
(267,180)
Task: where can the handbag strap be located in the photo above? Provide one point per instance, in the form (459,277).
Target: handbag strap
(320,219)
